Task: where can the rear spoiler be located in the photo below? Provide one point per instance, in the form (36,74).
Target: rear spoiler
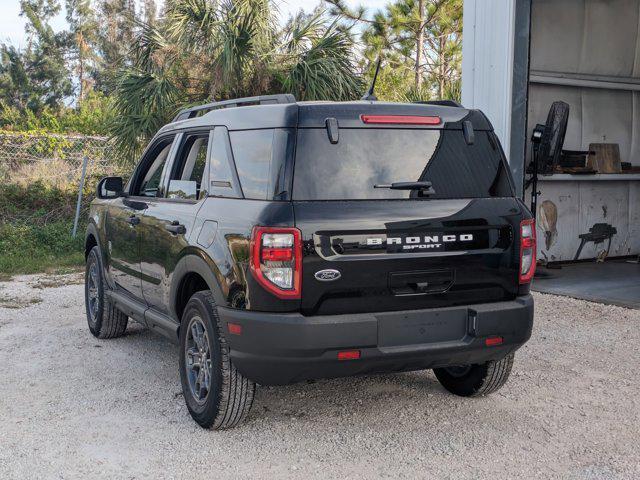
(354,114)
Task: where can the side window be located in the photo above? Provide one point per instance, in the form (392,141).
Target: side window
(252,154)
(224,182)
(187,176)
(148,178)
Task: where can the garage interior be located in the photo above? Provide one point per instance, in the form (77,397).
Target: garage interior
(586,53)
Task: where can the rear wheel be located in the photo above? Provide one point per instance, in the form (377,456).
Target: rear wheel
(217,395)
(475,380)
(104,319)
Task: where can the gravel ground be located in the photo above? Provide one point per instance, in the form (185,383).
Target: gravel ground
(72,406)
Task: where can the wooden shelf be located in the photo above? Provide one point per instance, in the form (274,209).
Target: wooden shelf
(584,80)
(598,177)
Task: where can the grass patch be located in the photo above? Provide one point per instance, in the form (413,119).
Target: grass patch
(28,248)
(35,230)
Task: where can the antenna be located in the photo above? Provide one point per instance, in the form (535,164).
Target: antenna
(370,96)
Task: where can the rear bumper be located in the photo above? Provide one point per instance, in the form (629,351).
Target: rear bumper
(283,348)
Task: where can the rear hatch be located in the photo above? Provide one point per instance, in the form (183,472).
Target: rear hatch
(373,249)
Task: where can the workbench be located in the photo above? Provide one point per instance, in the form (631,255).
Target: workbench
(576,209)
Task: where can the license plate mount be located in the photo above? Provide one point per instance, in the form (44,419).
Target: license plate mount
(415,328)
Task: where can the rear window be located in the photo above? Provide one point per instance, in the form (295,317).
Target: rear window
(363,158)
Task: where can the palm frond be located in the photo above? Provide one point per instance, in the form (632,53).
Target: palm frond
(245,32)
(302,28)
(325,69)
(150,47)
(193,23)
(145,101)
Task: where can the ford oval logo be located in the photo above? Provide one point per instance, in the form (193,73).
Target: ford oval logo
(328,275)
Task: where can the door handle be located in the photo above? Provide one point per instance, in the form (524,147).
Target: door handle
(133,220)
(176,228)
(134,204)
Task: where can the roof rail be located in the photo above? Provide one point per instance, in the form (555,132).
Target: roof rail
(237,102)
(443,103)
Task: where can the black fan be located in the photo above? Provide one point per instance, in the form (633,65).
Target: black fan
(547,141)
(549,150)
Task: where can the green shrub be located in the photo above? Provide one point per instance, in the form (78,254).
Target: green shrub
(37,203)
(90,117)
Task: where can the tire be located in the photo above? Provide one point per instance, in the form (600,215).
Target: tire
(217,396)
(104,319)
(475,380)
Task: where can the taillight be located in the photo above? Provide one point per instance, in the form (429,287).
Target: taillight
(527,250)
(276,260)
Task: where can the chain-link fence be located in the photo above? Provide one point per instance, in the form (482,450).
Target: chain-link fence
(37,166)
(54,160)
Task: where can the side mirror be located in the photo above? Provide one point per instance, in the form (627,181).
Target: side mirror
(110,187)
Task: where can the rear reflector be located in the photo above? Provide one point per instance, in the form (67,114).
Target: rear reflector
(234,328)
(277,254)
(400,119)
(349,355)
(493,341)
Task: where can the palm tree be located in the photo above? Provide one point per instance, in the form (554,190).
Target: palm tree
(206,49)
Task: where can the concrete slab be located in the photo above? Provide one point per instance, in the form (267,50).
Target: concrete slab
(615,282)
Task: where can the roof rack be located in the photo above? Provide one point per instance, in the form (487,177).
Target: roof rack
(237,102)
(443,103)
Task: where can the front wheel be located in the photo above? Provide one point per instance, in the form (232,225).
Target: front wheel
(475,380)
(104,319)
(217,395)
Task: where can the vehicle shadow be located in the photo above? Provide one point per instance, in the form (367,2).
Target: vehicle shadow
(371,394)
(319,400)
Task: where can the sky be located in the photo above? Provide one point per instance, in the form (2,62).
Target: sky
(12,24)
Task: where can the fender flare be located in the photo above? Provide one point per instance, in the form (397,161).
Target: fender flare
(92,230)
(195,261)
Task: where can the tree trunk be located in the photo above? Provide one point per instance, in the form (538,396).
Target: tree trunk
(419,42)
(442,67)
(80,41)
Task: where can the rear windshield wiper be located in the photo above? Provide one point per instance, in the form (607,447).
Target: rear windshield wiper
(425,188)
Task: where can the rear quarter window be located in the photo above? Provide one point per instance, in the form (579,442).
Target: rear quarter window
(363,158)
(260,158)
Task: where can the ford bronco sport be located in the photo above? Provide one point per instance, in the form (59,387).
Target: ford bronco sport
(279,241)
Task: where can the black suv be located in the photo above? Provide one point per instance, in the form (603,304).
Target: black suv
(279,241)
